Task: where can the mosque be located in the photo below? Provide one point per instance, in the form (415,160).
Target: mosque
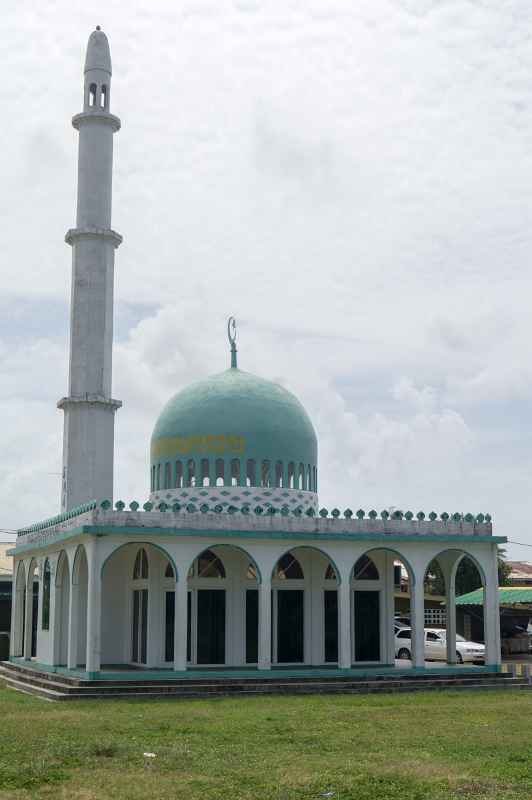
(230,564)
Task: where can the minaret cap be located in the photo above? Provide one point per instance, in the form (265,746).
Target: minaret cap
(98,53)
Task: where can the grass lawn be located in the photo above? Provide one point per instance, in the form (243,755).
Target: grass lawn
(425,746)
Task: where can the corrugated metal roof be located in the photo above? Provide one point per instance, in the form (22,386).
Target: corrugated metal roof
(6,562)
(508,596)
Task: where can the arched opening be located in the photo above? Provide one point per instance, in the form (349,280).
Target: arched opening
(92,95)
(454,630)
(62,601)
(279,474)
(167,475)
(103,96)
(191,472)
(178,475)
(220,472)
(17,648)
(301,477)
(250,472)
(265,478)
(80,576)
(291,475)
(381,583)
(305,608)
(138,606)
(235,472)
(32,611)
(222,608)
(205,476)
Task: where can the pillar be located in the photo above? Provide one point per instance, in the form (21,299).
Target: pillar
(388,655)
(181,623)
(344,623)
(73,611)
(492,624)
(94,597)
(265,622)
(14,637)
(450,605)
(28,613)
(417,614)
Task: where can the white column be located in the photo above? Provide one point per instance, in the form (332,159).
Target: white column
(73,611)
(94,591)
(344,623)
(265,622)
(417,614)
(450,605)
(181,624)
(15,611)
(492,623)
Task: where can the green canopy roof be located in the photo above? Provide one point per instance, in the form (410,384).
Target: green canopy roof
(508,596)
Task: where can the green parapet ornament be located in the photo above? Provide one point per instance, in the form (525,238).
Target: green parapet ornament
(324,513)
(310,512)
(204,508)
(120,505)
(245,510)
(176,507)
(480,518)
(232,509)
(218,508)
(397,515)
(148,506)
(259,510)
(105,504)
(385,515)
(420,515)
(469,517)
(433,516)
(487,518)
(373,514)
(271,511)
(409,516)
(335,513)
(348,513)
(134,506)
(285,511)
(191,508)
(162,506)
(457,517)
(444,516)
(361,513)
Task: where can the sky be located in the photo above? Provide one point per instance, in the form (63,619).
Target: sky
(352,181)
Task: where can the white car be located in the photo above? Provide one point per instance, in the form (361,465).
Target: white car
(436,646)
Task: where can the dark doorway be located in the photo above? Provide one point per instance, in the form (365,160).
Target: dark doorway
(139,645)
(290,628)
(189,626)
(367,626)
(211,626)
(34,618)
(169,622)
(252,626)
(330,616)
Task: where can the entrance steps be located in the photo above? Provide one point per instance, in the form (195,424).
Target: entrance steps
(57,686)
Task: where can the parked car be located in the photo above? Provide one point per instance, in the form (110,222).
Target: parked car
(436,646)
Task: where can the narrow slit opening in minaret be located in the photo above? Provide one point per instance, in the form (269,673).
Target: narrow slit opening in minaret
(103,97)
(92,95)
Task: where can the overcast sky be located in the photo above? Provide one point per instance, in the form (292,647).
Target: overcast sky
(351,180)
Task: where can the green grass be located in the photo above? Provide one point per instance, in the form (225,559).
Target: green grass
(416,746)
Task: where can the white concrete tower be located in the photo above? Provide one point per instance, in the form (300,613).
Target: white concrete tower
(88,440)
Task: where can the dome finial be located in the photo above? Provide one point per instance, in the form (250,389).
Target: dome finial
(231,335)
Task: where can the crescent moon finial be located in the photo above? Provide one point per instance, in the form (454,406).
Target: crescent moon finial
(231,335)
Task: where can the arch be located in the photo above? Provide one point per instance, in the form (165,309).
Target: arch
(250,472)
(141,568)
(62,561)
(20,610)
(220,472)
(398,555)
(309,479)
(80,555)
(235,472)
(167,475)
(21,576)
(291,482)
(178,475)
(103,96)
(92,95)
(191,472)
(61,614)
(365,569)
(169,571)
(205,472)
(319,550)
(265,478)
(462,554)
(301,474)
(242,550)
(141,544)
(279,474)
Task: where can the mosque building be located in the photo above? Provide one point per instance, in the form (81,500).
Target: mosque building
(230,564)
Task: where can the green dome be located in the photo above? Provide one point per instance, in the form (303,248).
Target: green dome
(234,417)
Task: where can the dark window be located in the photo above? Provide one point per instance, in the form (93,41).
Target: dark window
(103,97)
(220,472)
(432,637)
(46,587)
(265,479)
(158,485)
(210,566)
(290,628)
(289,568)
(291,476)
(235,472)
(309,482)
(92,95)
(178,475)
(191,472)
(252,626)
(365,570)
(250,472)
(330,613)
(205,478)
(302,476)
(279,474)
(169,572)
(367,626)
(211,626)
(404,634)
(169,623)
(140,570)
(167,475)
(153,478)
(330,574)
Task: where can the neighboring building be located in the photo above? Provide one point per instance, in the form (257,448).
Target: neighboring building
(6,576)
(515,604)
(230,563)
(521,573)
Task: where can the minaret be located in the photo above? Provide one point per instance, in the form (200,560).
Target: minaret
(88,439)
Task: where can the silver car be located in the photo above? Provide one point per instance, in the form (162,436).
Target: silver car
(436,646)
